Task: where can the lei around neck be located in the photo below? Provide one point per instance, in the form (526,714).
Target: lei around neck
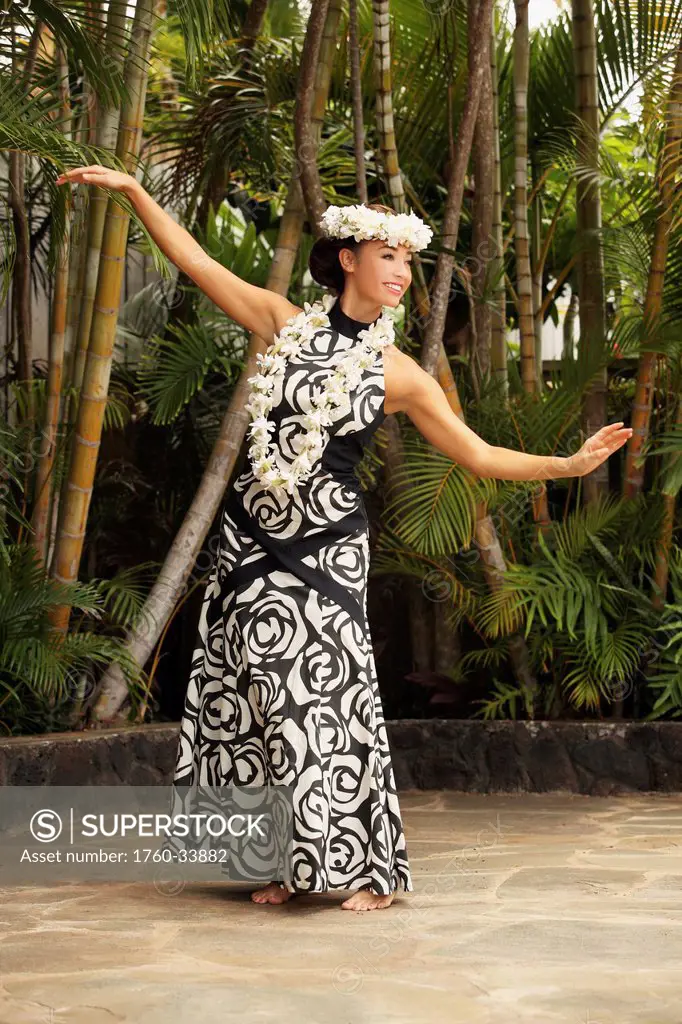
(329,402)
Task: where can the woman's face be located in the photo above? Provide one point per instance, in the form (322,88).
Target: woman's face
(380,273)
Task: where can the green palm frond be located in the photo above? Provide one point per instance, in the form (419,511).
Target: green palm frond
(7,250)
(589,674)
(37,664)
(77,25)
(490,657)
(27,127)
(668,443)
(601,518)
(173,369)
(554,591)
(666,683)
(442,579)
(123,596)
(142,316)
(506,701)
(434,510)
(238,245)
(204,24)
(239,123)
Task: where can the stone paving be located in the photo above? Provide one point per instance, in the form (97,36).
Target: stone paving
(527,907)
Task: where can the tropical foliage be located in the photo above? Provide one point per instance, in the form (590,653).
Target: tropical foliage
(565,601)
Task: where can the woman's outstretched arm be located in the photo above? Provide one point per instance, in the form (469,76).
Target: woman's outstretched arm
(411,390)
(257,309)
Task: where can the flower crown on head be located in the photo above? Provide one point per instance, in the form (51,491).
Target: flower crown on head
(364,223)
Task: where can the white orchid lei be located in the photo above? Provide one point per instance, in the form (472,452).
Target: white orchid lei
(364,223)
(274,472)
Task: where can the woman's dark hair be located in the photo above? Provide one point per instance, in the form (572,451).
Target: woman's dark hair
(324,263)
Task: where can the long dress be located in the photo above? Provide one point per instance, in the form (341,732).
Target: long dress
(283,686)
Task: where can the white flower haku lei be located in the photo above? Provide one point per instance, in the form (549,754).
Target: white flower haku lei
(269,467)
(364,224)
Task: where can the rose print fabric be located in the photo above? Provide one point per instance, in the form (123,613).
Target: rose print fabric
(283,686)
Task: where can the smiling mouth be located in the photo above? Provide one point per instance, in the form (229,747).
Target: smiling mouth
(397,288)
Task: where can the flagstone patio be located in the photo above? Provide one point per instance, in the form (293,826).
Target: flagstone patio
(528,907)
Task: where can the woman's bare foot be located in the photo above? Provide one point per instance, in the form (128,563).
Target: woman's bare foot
(272,893)
(365,899)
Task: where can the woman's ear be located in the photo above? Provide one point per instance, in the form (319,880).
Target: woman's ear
(347,259)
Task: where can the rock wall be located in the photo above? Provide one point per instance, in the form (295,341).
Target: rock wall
(594,758)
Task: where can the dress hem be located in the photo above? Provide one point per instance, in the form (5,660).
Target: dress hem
(406,887)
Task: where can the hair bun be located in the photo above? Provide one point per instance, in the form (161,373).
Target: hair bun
(324,264)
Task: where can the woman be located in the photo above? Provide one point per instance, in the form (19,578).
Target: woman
(283,686)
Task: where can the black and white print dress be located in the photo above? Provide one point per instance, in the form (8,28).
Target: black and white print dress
(283,686)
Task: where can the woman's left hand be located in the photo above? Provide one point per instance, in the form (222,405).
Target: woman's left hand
(597,449)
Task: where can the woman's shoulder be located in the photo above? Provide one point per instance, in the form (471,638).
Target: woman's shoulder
(403,376)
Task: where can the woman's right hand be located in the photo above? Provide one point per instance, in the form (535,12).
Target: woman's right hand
(95,174)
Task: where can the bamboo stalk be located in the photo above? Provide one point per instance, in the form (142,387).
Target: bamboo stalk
(88,431)
(46,458)
(106,138)
(384,103)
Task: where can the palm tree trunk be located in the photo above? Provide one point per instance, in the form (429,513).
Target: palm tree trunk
(498,340)
(480,12)
(79,238)
(97,371)
(665,538)
(537,268)
(669,162)
(569,324)
(588,209)
(483,157)
(306,147)
(253,22)
(187,544)
(46,458)
(74,290)
(21,276)
(356,93)
(524,280)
